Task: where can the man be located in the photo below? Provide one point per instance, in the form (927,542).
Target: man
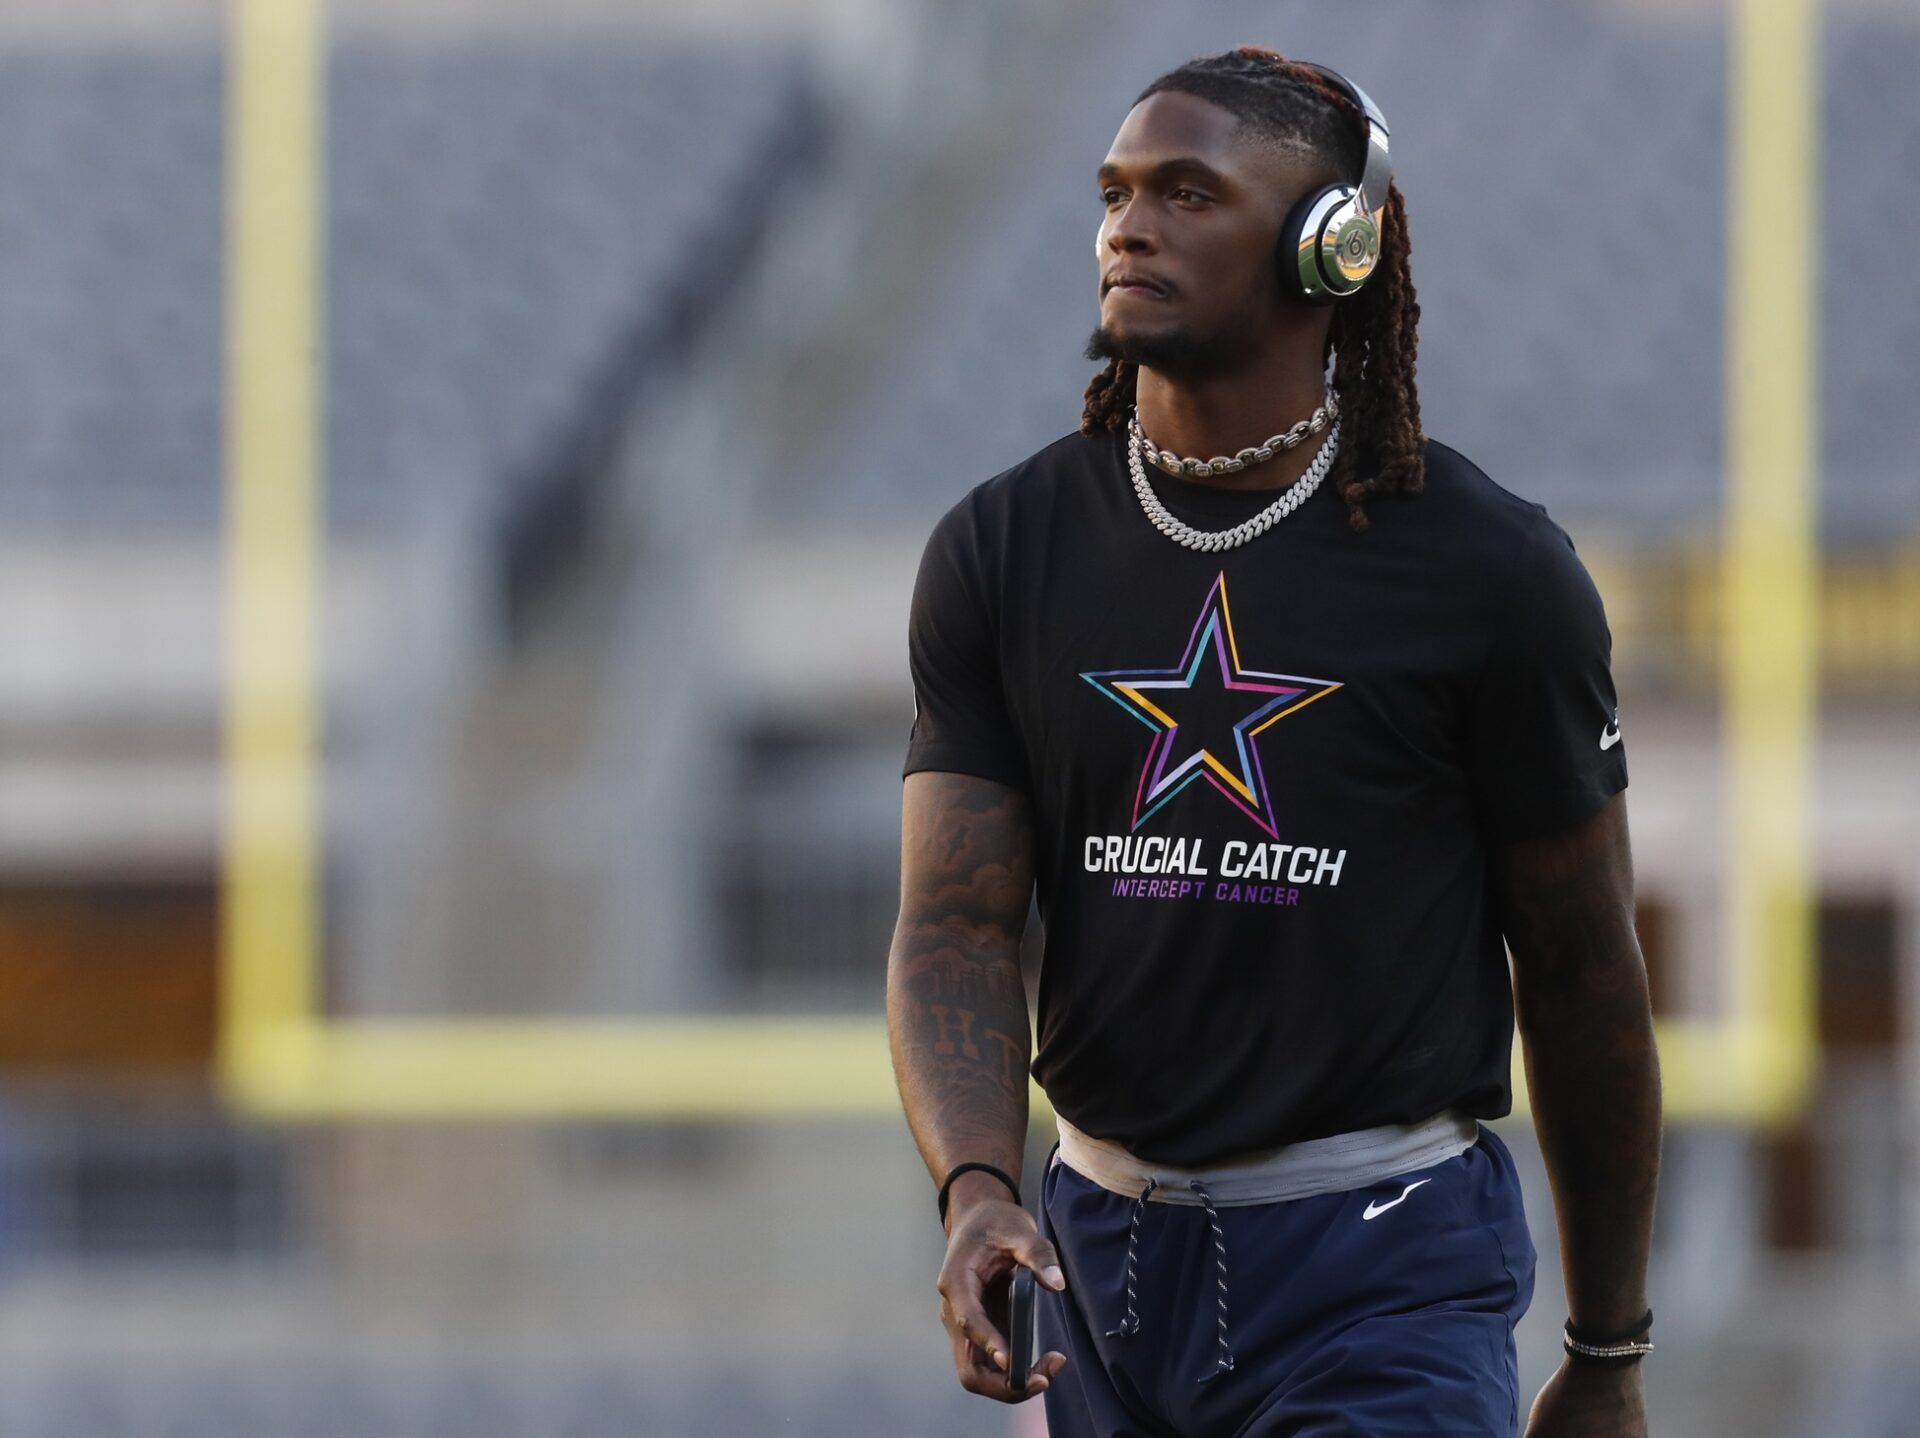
(1288,747)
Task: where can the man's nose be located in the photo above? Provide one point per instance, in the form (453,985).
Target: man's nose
(1130,230)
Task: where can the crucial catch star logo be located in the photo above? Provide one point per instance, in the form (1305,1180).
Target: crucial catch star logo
(1205,714)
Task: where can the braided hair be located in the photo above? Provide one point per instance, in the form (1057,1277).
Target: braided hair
(1374,333)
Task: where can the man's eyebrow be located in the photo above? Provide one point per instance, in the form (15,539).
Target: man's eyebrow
(1166,169)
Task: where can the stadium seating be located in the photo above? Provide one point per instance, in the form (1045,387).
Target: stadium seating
(497,219)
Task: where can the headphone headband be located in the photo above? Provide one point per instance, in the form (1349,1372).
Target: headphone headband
(1331,241)
(1377,173)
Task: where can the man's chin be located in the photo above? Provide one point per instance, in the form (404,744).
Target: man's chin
(1175,352)
(1134,345)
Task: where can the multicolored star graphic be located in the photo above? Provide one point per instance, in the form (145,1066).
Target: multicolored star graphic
(1247,699)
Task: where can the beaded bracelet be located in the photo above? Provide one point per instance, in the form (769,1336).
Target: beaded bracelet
(1612,1350)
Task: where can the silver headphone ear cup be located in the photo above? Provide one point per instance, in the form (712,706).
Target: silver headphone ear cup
(1297,254)
(1335,244)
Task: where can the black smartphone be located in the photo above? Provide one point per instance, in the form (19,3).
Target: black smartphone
(1020,1327)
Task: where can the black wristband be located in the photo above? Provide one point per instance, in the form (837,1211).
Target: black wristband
(960,1168)
(1601,1340)
(1609,1350)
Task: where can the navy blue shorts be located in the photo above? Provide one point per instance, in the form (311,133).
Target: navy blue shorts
(1335,1322)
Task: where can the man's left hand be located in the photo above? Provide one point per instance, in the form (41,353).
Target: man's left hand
(1586,1400)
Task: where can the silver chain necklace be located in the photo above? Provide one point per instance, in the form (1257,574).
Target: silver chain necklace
(1290,499)
(1232,464)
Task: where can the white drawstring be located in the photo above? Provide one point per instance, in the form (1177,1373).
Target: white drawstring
(1225,1362)
(1130,1323)
(1130,1320)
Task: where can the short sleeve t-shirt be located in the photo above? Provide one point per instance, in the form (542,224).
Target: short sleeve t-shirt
(1265,782)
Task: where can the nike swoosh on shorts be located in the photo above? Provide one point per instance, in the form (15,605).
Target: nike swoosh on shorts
(1374,1210)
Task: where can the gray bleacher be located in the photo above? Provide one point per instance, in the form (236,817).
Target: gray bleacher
(1565,179)
(497,219)
(109,289)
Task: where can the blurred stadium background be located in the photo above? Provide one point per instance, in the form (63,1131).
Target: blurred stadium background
(650,339)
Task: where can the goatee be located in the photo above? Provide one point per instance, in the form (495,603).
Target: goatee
(1177,353)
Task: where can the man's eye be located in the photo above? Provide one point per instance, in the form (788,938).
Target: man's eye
(1108,195)
(1195,194)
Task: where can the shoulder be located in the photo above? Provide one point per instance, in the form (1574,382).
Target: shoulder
(978,533)
(1482,518)
(1462,490)
(994,507)
(1071,459)
(1523,562)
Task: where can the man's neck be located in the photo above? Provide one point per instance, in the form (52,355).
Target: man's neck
(1225,414)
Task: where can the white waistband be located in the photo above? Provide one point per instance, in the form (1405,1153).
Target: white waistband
(1296,1170)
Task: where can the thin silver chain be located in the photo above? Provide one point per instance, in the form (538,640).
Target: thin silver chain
(1182,533)
(1232,464)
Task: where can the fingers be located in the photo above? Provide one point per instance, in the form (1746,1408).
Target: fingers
(963,1282)
(979,1375)
(967,1322)
(1036,1253)
(1011,1230)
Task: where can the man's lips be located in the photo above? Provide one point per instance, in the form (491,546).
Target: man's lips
(1136,285)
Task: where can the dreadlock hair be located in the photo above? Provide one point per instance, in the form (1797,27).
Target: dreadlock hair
(1374,333)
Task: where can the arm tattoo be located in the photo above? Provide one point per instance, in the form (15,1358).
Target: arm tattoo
(1581,998)
(956,1003)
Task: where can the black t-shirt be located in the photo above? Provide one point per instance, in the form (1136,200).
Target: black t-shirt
(1265,782)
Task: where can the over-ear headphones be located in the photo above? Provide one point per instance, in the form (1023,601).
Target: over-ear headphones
(1330,242)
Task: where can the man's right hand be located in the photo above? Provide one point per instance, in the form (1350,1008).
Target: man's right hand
(988,1236)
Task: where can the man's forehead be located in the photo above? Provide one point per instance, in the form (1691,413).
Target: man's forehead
(1174,126)
(1172,117)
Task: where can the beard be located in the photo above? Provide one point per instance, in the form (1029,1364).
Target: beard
(1182,352)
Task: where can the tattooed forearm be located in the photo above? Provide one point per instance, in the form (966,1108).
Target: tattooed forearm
(956,1006)
(1580,990)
